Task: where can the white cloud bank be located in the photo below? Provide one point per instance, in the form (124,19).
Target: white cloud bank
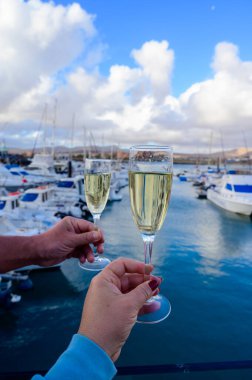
(52,52)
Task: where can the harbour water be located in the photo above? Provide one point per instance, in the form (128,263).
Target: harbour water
(204,255)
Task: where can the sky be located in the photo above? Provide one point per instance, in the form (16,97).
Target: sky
(124,72)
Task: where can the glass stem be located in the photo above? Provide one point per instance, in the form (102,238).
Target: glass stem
(96,218)
(148,245)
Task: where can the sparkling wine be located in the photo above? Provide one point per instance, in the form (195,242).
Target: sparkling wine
(97,191)
(149,198)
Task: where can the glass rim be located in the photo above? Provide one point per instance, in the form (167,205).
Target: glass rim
(151,147)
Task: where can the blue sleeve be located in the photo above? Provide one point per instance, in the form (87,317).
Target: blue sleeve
(82,360)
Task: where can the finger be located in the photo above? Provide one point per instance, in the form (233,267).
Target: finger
(121,266)
(87,256)
(90,257)
(134,282)
(131,281)
(81,251)
(88,238)
(81,225)
(143,292)
(100,249)
(82,259)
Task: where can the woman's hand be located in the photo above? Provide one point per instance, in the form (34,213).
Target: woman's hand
(113,301)
(71,237)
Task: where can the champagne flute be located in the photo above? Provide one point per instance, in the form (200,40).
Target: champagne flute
(150,182)
(97,176)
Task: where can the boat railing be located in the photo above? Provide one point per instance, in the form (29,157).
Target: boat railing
(155,370)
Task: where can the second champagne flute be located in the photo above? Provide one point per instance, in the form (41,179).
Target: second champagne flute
(150,182)
(97,176)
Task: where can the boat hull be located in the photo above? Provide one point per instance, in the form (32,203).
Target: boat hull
(229,204)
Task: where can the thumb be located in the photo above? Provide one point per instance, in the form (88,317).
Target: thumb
(144,291)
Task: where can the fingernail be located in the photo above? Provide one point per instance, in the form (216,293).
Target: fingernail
(153,284)
(96,236)
(156,292)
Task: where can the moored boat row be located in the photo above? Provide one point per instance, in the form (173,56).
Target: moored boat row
(229,191)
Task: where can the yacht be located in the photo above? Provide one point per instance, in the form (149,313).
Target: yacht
(10,181)
(190,176)
(23,220)
(61,200)
(234,193)
(43,165)
(30,179)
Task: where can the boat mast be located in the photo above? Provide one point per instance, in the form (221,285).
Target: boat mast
(247,151)
(72,135)
(210,148)
(54,127)
(223,152)
(43,115)
(84,144)
(44,135)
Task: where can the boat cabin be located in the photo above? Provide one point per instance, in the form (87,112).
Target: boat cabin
(75,185)
(239,184)
(36,197)
(8,203)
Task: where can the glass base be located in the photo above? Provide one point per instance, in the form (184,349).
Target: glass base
(97,265)
(155,310)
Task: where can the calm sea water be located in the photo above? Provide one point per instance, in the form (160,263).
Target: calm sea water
(204,255)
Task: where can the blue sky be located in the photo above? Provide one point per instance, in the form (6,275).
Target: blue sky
(192,27)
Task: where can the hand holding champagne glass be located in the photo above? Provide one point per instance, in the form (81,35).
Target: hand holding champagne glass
(97,178)
(150,182)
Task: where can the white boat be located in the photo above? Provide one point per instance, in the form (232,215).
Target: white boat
(234,194)
(24,220)
(43,165)
(70,188)
(30,179)
(64,199)
(69,197)
(11,181)
(190,176)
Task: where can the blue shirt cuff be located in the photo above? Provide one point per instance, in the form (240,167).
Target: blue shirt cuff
(83,359)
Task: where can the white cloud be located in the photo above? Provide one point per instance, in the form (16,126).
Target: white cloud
(49,51)
(225,101)
(156,60)
(36,41)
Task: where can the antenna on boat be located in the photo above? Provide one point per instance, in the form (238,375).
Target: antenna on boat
(210,148)
(92,141)
(223,152)
(84,144)
(72,135)
(54,126)
(44,136)
(43,115)
(247,151)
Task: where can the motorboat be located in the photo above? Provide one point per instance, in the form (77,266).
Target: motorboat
(234,193)
(30,179)
(61,200)
(43,165)
(25,220)
(190,176)
(10,181)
